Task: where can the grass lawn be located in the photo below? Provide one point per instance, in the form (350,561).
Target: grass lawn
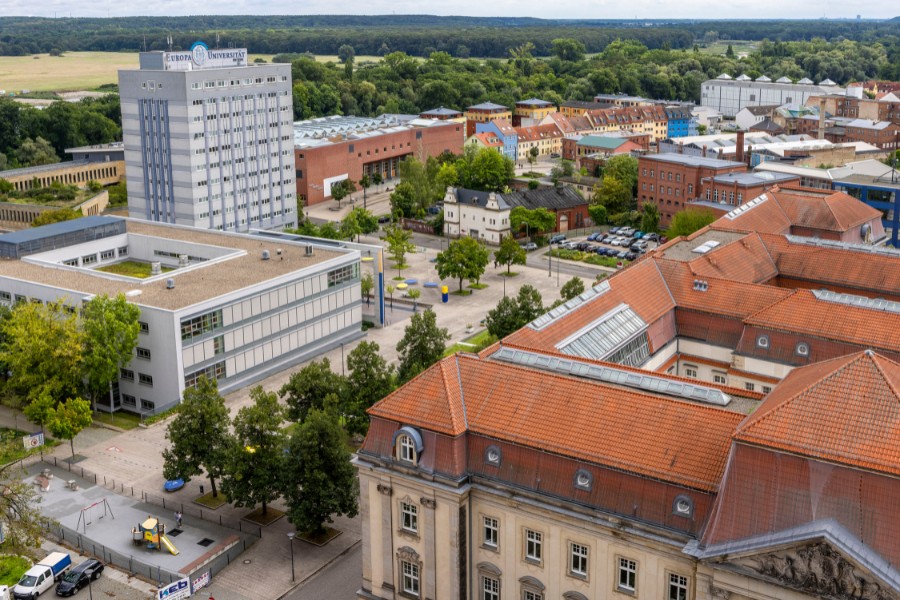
(478,286)
(473,343)
(131,268)
(12,568)
(510,274)
(720,47)
(461,292)
(211,502)
(122,420)
(71,72)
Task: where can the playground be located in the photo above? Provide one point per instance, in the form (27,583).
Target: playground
(122,529)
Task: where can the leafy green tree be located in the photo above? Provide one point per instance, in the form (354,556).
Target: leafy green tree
(370,379)
(613,194)
(320,481)
(623,167)
(21,520)
(484,169)
(729,53)
(419,187)
(307,388)
(599,214)
(649,218)
(40,410)
(688,221)
(534,221)
(111,330)
(390,292)
(199,435)
(565,168)
(346,52)
(364,222)
(68,419)
(56,216)
(43,349)
(567,49)
(365,182)
(256,462)
(36,152)
(512,314)
(414,294)
(465,258)
(400,244)
(532,155)
(422,345)
(367,284)
(510,253)
(341,189)
(572,288)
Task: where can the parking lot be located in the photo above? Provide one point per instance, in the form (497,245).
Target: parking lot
(624,243)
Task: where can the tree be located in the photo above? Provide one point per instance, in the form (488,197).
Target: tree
(346,52)
(612,194)
(599,214)
(341,189)
(572,288)
(367,284)
(390,291)
(400,243)
(484,169)
(56,216)
(567,49)
(199,435)
(532,155)
(68,419)
(422,345)
(43,349)
(111,330)
(649,218)
(366,222)
(40,410)
(307,388)
(565,168)
(688,221)
(510,253)
(255,466)
(370,379)
(414,294)
(365,182)
(34,152)
(321,482)
(538,220)
(512,314)
(729,53)
(22,522)
(623,167)
(465,258)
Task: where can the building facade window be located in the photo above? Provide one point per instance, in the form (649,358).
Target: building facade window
(145,379)
(627,574)
(578,560)
(409,516)
(197,326)
(127,374)
(690,371)
(491,529)
(407,449)
(145,328)
(534,545)
(490,588)
(678,587)
(749,386)
(410,581)
(143,353)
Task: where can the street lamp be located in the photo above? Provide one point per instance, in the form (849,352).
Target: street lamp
(291,541)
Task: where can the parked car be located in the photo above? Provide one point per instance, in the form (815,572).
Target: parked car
(622,254)
(585,246)
(652,237)
(384,219)
(529,246)
(570,245)
(555,155)
(662,240)
(592,237)
(614,230)
(558,238)
(631,256)
(42,576)
(79,577)
(626,231)
(602,238)
(637,235)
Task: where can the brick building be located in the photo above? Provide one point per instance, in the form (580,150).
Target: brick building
(331,149)
(884,134)
(672,180)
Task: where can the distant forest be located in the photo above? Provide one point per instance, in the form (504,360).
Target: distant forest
(416,35)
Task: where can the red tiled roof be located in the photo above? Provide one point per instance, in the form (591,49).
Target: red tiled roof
(745,260)
(802,312)
(666,439)
(845,410)
(489,139)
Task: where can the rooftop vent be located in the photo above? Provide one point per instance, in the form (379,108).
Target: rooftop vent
(170,284)
(155,268)
(265,255)
(183,260)
(278,251)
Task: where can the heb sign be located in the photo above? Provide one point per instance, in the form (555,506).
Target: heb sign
(176,590)
(201,57)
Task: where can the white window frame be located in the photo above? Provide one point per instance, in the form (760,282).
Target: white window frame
(406,449)
(678,587)
(627,568)
(409,517)
(409,578)
(490,588)
(532,595)
(534,546)
(490,528)
(579,555)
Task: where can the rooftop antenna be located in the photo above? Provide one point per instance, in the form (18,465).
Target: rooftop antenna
(169,41)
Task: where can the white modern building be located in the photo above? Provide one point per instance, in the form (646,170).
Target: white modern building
(209,140)
(729,96)
(234,307)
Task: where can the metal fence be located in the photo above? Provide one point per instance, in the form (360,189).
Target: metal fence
(129,490)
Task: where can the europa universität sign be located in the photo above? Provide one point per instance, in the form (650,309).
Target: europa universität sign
(201,57)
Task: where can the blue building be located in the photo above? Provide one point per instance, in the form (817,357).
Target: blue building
(681,122)
(504,130)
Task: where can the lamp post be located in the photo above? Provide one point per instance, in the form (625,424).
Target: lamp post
(291,542)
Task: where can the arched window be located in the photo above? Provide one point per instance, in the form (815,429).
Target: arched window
(683,506)
(407,444)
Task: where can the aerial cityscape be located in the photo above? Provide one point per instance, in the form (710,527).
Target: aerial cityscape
(545,306)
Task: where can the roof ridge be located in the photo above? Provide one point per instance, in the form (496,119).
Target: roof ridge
(877,360)
(462,396)
(662,277)
(770,306)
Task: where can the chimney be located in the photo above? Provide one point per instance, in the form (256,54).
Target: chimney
(739,147)
(821,118)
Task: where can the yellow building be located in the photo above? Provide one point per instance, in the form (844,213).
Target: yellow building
(532,111)
(484,113)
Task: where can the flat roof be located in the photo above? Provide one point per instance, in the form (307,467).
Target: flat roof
(98,147)
(693,161)
(751,178)
(683,251)
(198,283)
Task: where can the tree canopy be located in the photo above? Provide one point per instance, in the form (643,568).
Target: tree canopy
(307,388)
(422,345)
(465,258)
(688,221)
(511,314)
(510,253)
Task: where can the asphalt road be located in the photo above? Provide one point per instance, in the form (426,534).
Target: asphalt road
(337,581)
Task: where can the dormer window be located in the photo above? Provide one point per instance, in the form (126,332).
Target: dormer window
(802,349)
(492,455)
(408,445)
(683,506)
(583,480)
(762,341)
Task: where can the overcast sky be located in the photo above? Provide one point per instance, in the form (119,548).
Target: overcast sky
(586,9)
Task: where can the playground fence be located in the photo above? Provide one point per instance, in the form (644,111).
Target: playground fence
(189,510)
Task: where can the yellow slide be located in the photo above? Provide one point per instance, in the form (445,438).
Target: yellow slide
(169,546)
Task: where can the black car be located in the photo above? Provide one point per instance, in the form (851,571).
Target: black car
(79,577)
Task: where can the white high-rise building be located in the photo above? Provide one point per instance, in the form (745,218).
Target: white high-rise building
(209,140)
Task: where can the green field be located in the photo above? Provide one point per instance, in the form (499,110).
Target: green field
(739,46)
